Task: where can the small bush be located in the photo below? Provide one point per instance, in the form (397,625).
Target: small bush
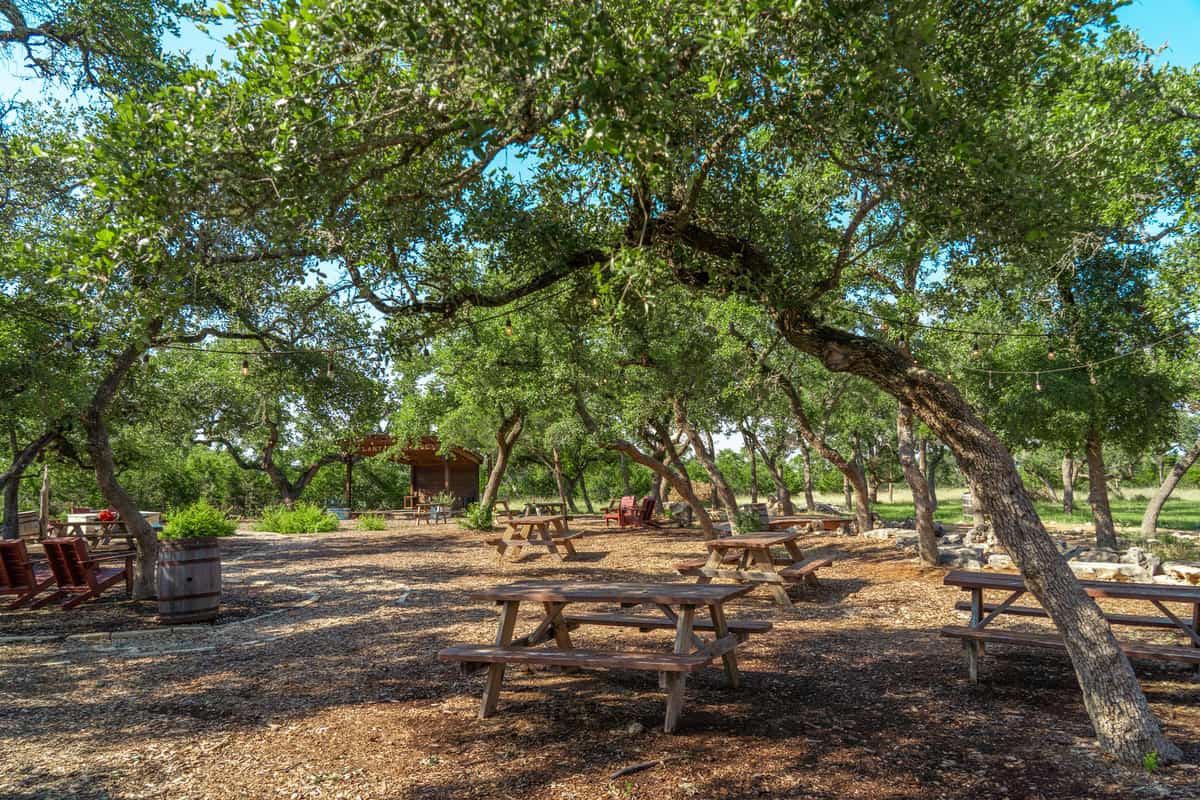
(443,499)
(197,521)
(372,522)
(477,518)
(746,521)
(301,518)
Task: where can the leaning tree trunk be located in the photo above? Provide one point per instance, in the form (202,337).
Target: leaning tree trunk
(781,488)
(1068,480)
(1182,465)
(680,485)
(810,503)
(581,479)
(560,481)
(852,474)
(1106,532)
(926,536)
(506,437)
(706,458)
(753,473)
(10,478)
(12,510)
(1123,721)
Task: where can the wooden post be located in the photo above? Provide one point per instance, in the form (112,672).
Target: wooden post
(676,681)
(495,675)
(720,630)
(1196,628)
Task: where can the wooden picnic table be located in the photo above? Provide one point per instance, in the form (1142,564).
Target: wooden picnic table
(431,513)
(748,559)
(551,508)
(977,633)
(549,532)
(677,604)
(94,532)
(812,521)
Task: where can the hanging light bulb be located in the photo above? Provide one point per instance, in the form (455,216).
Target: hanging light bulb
(595,300)
(245,367)
(989,379)
(1037,381)
(975,352)
(329,368)
(1091,375)
(1050,354)
(508,326)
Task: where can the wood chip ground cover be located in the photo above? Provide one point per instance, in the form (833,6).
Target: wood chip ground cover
(853,694)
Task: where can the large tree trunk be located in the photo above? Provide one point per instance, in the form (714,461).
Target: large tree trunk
(770,460)
(10,478)
(1106,533)
(1182,465)
(1068,479)
(581,479)
(99,449)
(721,486)
(851,471)
(1123,721)
(926,536)
(810,503)
(625,490)
(560,480)
(930,466)
(753,471)
(506,437)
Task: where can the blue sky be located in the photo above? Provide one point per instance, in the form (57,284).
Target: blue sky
(1173,23)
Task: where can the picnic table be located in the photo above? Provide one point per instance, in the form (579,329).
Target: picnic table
(94,532)
(815,522)
(549,532)
(676,603)
(977,633)
(431,513)
(748,559)
(552,508)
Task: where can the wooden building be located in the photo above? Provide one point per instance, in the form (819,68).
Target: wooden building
(457,473)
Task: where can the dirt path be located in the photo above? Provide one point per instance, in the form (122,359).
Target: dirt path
(852,695)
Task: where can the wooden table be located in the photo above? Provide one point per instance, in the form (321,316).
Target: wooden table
(815,523)
(549,532)
(94,532)
(977,633)
(748,559)
(431,513)
(676,602)
(553,508)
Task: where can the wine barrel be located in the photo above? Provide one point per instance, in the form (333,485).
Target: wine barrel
(189,580)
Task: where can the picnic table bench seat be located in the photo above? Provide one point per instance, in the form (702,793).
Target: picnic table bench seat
(591,659)
(1155,652)
(742,628)
(798,572)
(1113,619)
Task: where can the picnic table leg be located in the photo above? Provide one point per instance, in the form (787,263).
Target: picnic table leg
(1196,629)
(720,629)
(716,557)
(495,674)
(973,646)
(762,557)
(676,681)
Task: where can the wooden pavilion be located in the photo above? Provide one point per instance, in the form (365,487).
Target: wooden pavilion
(457,473)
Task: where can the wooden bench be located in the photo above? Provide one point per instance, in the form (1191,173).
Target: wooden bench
(587,659)
(1113,619)
(742,628)
(805,569)
(1154,652)
(561,539)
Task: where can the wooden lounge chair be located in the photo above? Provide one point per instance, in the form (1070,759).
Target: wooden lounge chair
(647,512)
(626,514)
(79,575)
(18,575)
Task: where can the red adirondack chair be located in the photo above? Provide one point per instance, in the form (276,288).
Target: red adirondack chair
(79,575)
(626,514)
(647,512)
(18,575)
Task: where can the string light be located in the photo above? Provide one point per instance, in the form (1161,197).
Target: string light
(989,379)
(595,300)
(1091,374)
(975,350)
(1037,381)
(329,367)
(508,326)
(245,367)
(1050,354)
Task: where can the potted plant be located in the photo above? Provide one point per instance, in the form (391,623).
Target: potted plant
(189,564)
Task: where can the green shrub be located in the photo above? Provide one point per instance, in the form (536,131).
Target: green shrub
(372,522)
(301,518)
(197,521)
(746,521)
(477,518)
(443,499)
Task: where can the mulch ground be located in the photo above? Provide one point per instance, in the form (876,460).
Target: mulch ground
(852,695)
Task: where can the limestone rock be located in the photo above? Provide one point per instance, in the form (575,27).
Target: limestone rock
(965,557)
(999,561)
(1110,571)
(1183,571)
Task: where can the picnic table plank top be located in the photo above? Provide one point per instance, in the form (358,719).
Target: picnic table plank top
(580,592)
(761,539)
(534,520)
(970,579)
